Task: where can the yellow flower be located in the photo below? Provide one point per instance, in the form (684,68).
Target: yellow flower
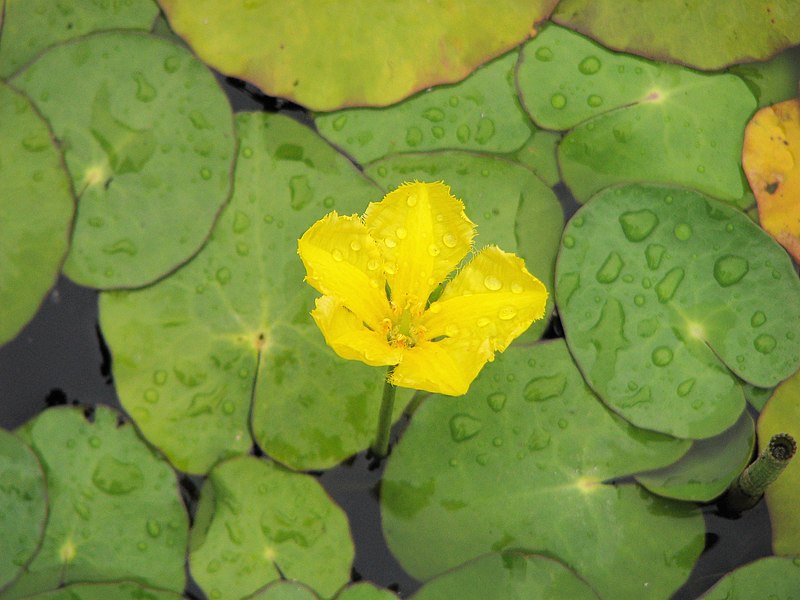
(377,274)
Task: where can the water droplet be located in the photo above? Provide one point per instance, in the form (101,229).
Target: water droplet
(589,65)
(300,192)
(647,327)
(758,319)
(558,101)
(160,377)
(449,240)
(463,133)
(765,343)
(544,54)
(434,115)
(638,300)
(355,245)
(685,387)
(538,440)
(701,169)
(433,250)
(638,224)
(390,242)
(115,477)
(339,122)
(82,510)
(151,396)
(507,313)
(730,269)
(666,288)
(328,202)
(516,288)
(654,253)
(153,528)
(199,120)
(172,64)
(464,427)
(492,283)
(569,241)
(242,249)
(610,269)
(94,441)
(683,231)
(144,91)
(373,263)
(228,407)
(482,459)
(413,136)
(545,387)
(577,221)
(205,173)
(96,221)
(240,222)
(337,255)
(562,423)
(729,227)
(485,130)
(451,330)
(123,246)
(497,442)
(401,233)
(646,283)
(482,321)
(662,356)
(496,401)
(594,101)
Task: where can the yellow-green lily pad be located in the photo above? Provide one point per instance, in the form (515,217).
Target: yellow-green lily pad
(520,463)
(364,54)
(257,522)
(36,205)
(770,577)
(147,136)
(668,299)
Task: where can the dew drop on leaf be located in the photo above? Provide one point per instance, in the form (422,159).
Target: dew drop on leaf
(464,427)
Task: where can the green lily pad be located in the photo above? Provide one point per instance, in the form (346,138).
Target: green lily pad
(480,113)
(709,467)
(232,328)
(23,496)
(115,511)
(519,463)
(257,522)
(510,205)
(695,33)
(505,576)
(365,591)
(634,120)
(539,155)
(770,577)
(667,298)
(772,81)
(33,25)
(782,415)
(104,591)
(148,138)
(37,207)
(325,62)
(284,590)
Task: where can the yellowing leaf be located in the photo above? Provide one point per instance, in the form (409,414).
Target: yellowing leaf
(770,161)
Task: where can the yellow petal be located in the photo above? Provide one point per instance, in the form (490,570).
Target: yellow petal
(349,338)
(423,234)
(445,367)
(490,302)
(343,261)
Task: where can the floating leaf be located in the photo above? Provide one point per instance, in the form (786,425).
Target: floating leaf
(519,463)
(104,591)
(36,206)
(31,26)
(770,577)
(147,135)
(115,511)
(774,80)
(504,576)
(257,522)
(771,158)
(24,501)
(695,33)
(782,415)
(709,467)
(667,297)
(634,120)
(365,591)
(505,200)
(309,55)
(480,113)
(284,590)
(188,349)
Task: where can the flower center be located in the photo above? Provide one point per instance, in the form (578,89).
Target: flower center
(401,332)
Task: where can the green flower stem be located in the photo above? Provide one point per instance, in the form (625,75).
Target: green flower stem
(747,490)
(380,446)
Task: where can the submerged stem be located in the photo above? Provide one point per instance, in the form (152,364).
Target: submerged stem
(380,447)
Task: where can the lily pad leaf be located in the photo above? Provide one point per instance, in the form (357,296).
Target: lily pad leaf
(115,510)
(232,327)
(782,415)
(509,575)
(31,26)
(480,113)
(148,138)
(257,522)
(694,33)
(774,80)
(284,590)
(634,120)
(23,496)
(512,208)
(326,61)
(519,463)
(667,298)
(104,591)
(771,159)
(709,468)
(365,591)
(36,205)
(770,577)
